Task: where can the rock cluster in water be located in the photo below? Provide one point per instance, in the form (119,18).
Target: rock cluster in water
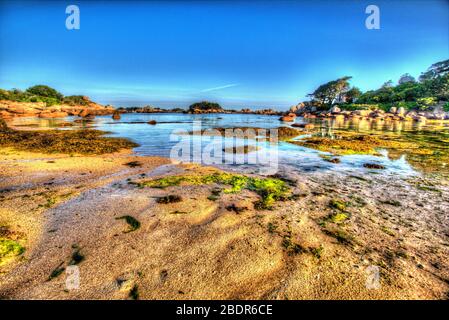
(399,114)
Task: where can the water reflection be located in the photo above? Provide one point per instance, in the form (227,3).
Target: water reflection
(154,140)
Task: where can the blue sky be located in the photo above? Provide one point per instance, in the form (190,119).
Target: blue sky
(240,54)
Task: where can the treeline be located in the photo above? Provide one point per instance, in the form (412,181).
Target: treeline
(431,88)
(42,93)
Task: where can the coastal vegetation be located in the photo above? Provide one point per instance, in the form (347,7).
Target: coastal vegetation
(205,106)
(431,88)
(38,93)
(43,93)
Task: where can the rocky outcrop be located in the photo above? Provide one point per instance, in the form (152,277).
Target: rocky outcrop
(395,114)
(10,109)
(298,108)
(116,115)
(288,118)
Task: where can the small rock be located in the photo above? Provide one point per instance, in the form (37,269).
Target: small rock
(373,166)
(333,160)
(116,116)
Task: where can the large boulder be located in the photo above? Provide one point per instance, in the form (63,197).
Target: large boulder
(288,118)
(298,108)
(401,111)
(362,113)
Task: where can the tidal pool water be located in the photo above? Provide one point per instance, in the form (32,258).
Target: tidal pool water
(160,140)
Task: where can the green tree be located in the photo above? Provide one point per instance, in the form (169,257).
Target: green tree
(327,93)
(407,77)
(388,84)
(440,68)
(352,94)
(44,91)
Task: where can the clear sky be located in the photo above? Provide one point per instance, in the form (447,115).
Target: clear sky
(240,54)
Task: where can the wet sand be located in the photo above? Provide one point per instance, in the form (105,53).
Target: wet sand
(200,249)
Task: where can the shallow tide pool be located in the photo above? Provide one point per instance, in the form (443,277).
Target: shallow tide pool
(161,139)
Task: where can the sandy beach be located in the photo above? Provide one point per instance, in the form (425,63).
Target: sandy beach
(59,207)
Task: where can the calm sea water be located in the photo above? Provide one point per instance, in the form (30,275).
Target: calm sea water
(159,140)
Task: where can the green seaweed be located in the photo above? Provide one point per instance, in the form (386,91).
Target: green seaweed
(172,198)
(272,227)
(393,203)
(84,141)
(77,258)
(212,198)
(338,204)
(133,223)
(9,249)
(236,209)
(270,190)
(134,293)
(133,164)
(317,252)
(57,271)
(338,217)
(387,231)
(340,235)
(291,247)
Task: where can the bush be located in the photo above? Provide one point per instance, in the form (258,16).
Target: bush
(425,103)
(18,95)
(407,105)
(76,100)
(446,107)
(4,94)
(45,91)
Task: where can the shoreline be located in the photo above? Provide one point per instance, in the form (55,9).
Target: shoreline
(182,248)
